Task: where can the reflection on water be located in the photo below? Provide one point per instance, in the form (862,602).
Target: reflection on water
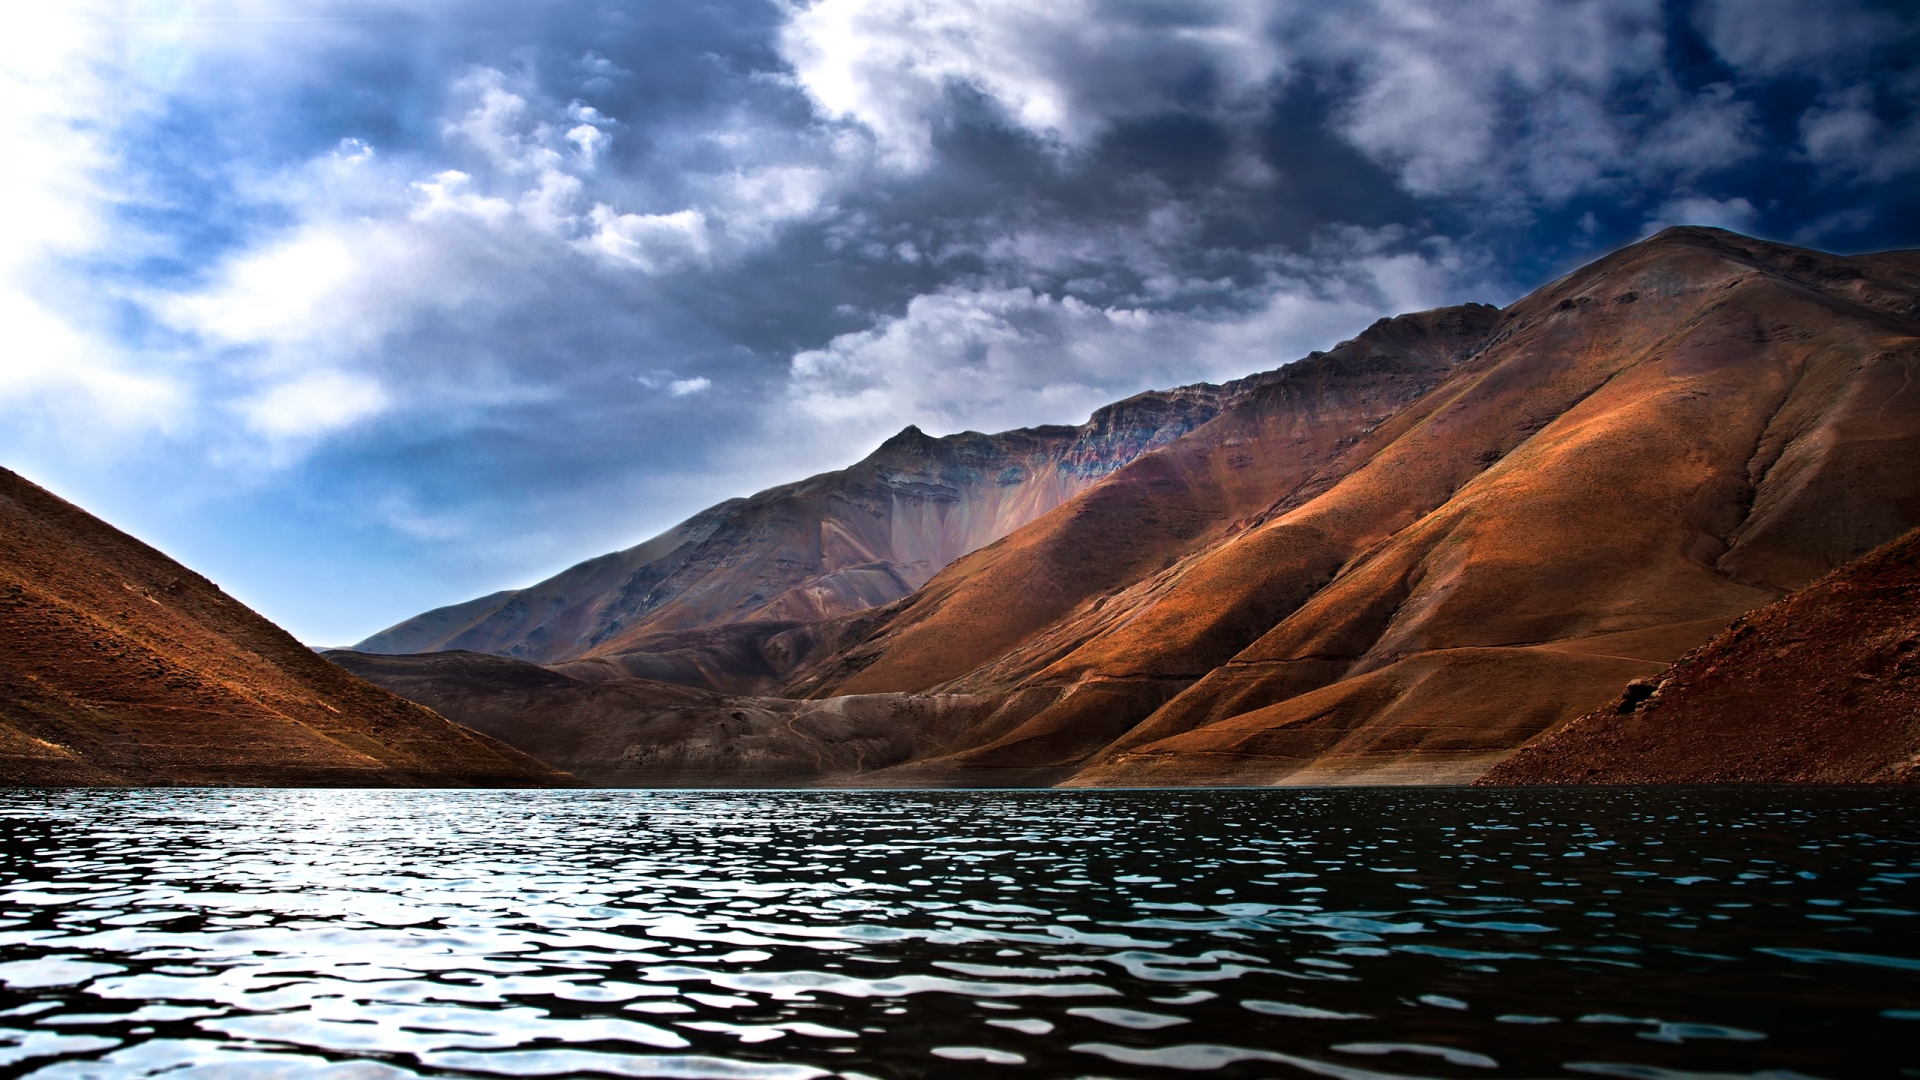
(1653,934)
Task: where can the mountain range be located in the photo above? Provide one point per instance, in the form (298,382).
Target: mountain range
(1400,560)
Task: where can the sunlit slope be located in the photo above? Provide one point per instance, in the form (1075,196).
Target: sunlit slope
(1641,451)
(119,665)
(1822,686)
(829,545)
(1006,612)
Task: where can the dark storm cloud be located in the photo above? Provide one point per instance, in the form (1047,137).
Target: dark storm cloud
(427,299)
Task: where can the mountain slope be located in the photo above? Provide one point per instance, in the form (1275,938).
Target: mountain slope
(1822,686)
(835,543)
(119,665)
(1640,452)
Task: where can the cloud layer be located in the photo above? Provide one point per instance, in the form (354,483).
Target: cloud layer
(364,307)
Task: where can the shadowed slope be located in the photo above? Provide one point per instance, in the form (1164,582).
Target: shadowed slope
(832,544)
(119,665)
(1823,686)
(627,732)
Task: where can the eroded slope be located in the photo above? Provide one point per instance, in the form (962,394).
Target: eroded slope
(119,665)
(1822,686)
(832,544)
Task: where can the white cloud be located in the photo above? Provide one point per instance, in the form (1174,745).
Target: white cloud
(655,243)
(993,358)
(273,292)
(1736,214)
(683,387)
(1061,70)
(56,371)
(1505,99)
(314,404)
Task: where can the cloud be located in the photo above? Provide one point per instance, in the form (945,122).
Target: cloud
(683,387)
(654,243)
(1736,214)
(58,375)
(313,404)
(993,358)
(1062,71)
(1766,37)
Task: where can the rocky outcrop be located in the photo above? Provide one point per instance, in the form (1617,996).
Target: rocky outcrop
(1820,687)
(120,666)
(833,544)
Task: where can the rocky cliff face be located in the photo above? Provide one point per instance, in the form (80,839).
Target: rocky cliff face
(835,543)
(120,666)
(1821,687)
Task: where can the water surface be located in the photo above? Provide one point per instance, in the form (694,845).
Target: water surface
(783,936)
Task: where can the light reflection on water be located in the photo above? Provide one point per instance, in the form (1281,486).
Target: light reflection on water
(1657,934)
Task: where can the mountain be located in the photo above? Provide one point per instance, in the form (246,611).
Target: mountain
(835,543)
(1636,454)
(120,666)
(1397,561)
(1822,686)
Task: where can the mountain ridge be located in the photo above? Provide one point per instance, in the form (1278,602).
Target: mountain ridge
(830,544)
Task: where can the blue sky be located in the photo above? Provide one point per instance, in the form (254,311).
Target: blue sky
(364,308)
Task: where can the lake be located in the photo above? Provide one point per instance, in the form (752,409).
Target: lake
(1660,934)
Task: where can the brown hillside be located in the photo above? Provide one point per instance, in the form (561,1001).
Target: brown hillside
(120,666)
(826,546)
(1641,451)
(1821,687)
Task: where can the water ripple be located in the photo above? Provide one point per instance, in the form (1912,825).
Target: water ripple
(787,936)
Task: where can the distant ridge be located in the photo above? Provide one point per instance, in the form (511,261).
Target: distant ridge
(120,666)
(829,545)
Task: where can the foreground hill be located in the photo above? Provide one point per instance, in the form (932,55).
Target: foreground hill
(120,666)
(829,545)
(1823,687)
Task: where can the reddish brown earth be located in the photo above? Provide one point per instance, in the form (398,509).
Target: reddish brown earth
(1400,560)
(1638,453)
(120,666)
(1821,687)
(829,545)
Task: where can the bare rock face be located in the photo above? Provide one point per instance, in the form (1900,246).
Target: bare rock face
(1822,687)
(833,544)
(120,666)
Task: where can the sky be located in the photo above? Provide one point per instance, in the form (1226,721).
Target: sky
(364,308)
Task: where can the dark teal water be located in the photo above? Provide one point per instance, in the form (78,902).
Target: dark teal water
(770,935)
